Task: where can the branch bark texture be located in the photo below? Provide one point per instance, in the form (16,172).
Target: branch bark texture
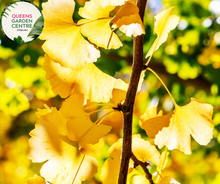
(137,67)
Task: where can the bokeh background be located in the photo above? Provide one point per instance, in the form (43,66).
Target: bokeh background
(188,62)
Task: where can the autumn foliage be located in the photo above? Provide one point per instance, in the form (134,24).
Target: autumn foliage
(66,139)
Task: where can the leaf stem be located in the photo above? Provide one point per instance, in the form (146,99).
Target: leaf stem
(98,121)
(148,61)
(80,24)
(92,112)
(97,105)
(162,165)
(164,86)
(155,171)
(78,168)
(137,67)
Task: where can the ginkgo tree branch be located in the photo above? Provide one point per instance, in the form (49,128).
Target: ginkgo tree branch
(127,106)
(144,167)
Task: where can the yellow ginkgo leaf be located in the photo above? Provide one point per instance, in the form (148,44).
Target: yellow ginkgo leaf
(164,23)
(79,126)
(70,166)
(64,162)
(94,10)
(143,150)
(119,91)
(36,180)
(110,171)
(64,42)
(174,130)
(100,33)
(128,20)
(64,81)
(168,180)
(150,113)
(97,28)
(115,120)
(96,25)
(41,112)
(131,25)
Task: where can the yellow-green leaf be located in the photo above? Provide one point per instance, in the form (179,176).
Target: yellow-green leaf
(164,23)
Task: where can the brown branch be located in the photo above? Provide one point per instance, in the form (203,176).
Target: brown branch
(137,68)
(144,167)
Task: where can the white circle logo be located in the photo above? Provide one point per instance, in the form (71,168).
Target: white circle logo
(22,21)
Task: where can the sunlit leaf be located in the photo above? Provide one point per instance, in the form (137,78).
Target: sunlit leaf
(64,42)
(98,28)
(99,33)
(92,82)
(150,113)
(174,130)
(96,25)
(79,126)
(115,120)
(119,92)
(143,150)
(164,23)
(64,162)
(93,10)
(128,20)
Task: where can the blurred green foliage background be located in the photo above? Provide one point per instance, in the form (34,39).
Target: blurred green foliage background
(188,62)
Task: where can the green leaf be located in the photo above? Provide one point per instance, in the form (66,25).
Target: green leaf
(40,22)
(19,40)
(35,31)
(38,26)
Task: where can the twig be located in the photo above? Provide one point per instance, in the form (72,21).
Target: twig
(144,167)
(127,106)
